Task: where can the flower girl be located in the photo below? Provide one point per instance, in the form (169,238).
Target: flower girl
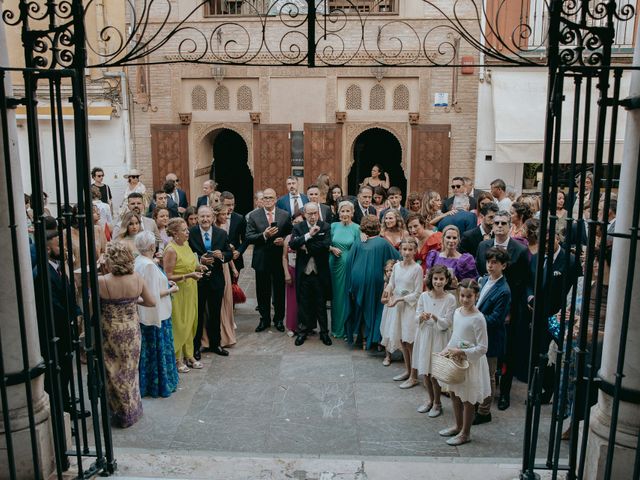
(389,349)
(469,340)
(434,315)
(405,286)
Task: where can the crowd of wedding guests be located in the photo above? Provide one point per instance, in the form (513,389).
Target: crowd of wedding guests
(447,276)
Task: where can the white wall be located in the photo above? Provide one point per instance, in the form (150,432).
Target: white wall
(106,147)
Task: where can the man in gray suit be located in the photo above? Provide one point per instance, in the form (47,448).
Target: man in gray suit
(266,229)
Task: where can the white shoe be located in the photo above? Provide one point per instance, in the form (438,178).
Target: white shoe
(401,378)
(425,407)
(436,411)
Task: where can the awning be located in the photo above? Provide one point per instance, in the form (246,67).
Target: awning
(520,104)
(96,112)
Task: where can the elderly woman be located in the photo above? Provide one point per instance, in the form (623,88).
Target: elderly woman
(344,235)
(461,265)
(130,228)
(181,266)
(414,202)
(158,373)
(365,283)
(121,290)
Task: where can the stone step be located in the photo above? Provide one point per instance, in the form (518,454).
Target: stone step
(140,465)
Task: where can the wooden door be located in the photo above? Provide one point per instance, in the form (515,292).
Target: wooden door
(170,154)
(430,147)
(322,151)
(271,156)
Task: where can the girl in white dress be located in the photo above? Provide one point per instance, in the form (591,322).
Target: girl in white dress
(469,341)
(434,315)
(405,286)
(388,268)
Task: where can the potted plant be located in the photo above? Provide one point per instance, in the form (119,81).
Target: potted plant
(530,171)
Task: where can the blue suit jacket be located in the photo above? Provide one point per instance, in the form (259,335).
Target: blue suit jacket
(284,202)
(182,196)
(495,308)
(463,220)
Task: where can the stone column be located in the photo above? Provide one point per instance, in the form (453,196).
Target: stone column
(9,326)
(629,414)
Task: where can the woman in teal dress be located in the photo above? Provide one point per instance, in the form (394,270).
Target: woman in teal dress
(343,235)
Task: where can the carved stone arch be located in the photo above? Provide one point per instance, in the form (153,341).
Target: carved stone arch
(353,130)
(202,140)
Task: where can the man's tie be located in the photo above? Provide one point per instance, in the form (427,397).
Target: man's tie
(296,205)
(207,241)
(270,217)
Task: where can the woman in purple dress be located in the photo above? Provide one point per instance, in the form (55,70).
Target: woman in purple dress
(461,265)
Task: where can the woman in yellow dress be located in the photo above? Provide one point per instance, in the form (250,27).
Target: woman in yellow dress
(181,266)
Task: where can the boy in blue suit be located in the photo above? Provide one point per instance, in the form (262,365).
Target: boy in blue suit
(494,302)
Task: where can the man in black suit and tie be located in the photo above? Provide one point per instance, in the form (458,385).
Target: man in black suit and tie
(179,196)
(312,239)
(293,201)
(236,228)
(458,188)
(472,238)
(65,310)
(554,294)
(313,192)
(208,187)
(266,229)
(162,200)
(517,275)
(211,245)
(363,204)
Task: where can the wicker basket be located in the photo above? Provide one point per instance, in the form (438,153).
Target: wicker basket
(447,370)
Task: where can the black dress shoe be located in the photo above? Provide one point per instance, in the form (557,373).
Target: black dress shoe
(545,397)
(197,355)
(300,339)
(325,339)
(220,351)
(280,327)
(262,326)
(504,402)
(75,413)
(480,419)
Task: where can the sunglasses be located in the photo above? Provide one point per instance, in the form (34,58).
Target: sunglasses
(134,176)
(99,175)
(500,223)
(456,186)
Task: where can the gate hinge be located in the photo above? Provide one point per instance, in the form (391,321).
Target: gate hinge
(12,102)
(630,103)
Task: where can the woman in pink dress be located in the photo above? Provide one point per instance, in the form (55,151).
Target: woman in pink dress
(227,320)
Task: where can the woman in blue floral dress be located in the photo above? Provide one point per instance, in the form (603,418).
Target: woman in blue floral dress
(158,371)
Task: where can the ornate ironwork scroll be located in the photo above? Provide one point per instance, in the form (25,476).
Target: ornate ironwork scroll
(268,32)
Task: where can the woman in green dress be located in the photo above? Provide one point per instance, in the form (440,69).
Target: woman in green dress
(343,235)
(181,266)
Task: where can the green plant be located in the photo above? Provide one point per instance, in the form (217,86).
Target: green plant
(530,170)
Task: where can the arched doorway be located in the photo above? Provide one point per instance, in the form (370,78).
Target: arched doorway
(376,146)
(231,170)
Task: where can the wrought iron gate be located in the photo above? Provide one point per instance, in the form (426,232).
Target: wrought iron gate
(578,52)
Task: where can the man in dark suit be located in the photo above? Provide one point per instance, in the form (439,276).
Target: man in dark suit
(211,245)
(65,311)
(162,200)
(311,239)
(494,302)
(236,228)
(293,201)
(459,190)
(472,238)
(313,193)
(208,187)
(266,229)
(472,192)
(363,204)
(554,294)
(463,218)
(394,197)
(517,277)
(179,196)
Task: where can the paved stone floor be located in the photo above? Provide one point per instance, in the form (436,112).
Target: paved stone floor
(272,398)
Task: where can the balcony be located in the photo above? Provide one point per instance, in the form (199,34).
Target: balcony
(273,7)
